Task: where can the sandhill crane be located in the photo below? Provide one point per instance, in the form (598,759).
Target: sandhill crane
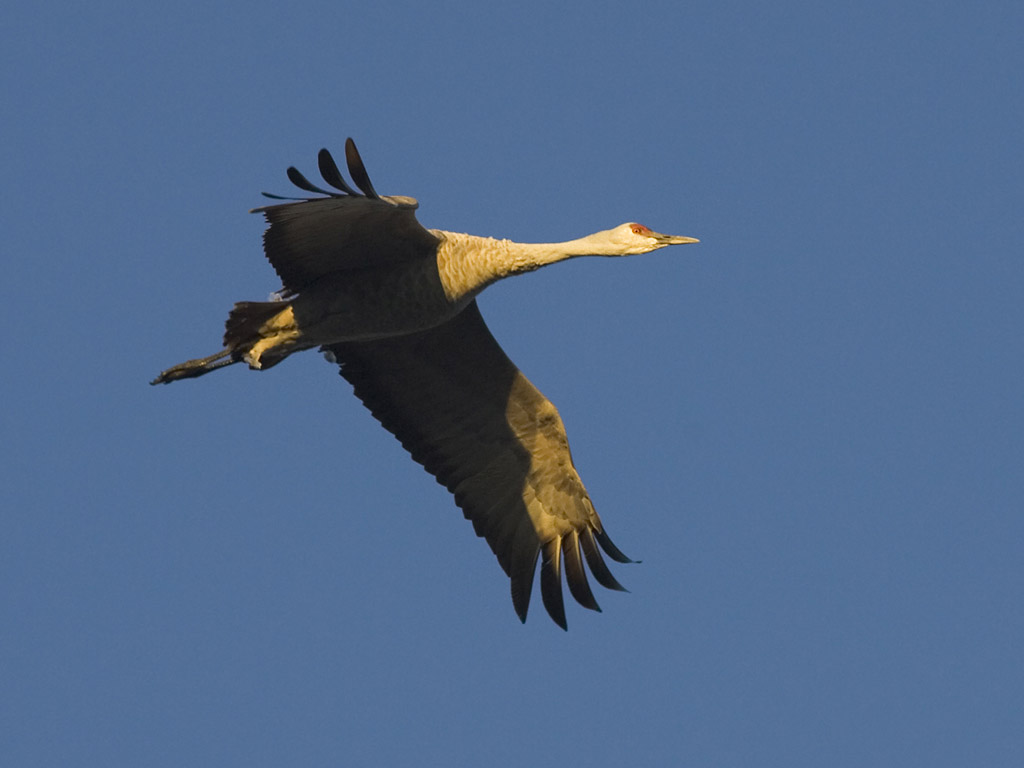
(394,305)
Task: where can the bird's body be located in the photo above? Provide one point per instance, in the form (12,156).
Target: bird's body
(390,299)
(394,304)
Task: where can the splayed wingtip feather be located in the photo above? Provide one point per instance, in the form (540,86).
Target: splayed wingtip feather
(332,175)
(576,574)
(597,564)
(357,170)
(551,582)
(300,181)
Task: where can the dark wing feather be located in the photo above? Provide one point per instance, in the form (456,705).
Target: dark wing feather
(467,414)
(329,170)
(357,170)
(312,238)
(305,184)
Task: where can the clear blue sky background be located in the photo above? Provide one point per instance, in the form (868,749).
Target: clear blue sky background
(809,427)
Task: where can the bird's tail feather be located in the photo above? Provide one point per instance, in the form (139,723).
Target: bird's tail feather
(245,321)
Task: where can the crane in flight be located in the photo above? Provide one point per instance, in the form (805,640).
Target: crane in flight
(394,305)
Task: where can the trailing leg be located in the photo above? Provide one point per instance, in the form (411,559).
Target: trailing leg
(260,333)
(192,368)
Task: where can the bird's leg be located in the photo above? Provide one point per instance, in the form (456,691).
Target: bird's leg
(277,339)
(192,368)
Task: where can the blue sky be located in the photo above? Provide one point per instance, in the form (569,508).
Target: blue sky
(809,427)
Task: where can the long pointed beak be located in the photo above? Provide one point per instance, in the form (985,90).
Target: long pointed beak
(674,239)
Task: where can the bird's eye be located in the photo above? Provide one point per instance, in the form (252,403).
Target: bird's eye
(640,229)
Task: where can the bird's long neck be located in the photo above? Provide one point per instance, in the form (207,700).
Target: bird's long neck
(529,256)
(468,264)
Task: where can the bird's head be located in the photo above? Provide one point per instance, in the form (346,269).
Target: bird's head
(631,238)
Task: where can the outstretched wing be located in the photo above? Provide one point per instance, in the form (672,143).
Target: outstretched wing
(346,230)
(467,414)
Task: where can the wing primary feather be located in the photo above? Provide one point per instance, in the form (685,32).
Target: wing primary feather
(329,170)
(521,576)
(596,562)
(611,550)
(551,581)
(357,170)
(272,196)
(576,574)
(302,182)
